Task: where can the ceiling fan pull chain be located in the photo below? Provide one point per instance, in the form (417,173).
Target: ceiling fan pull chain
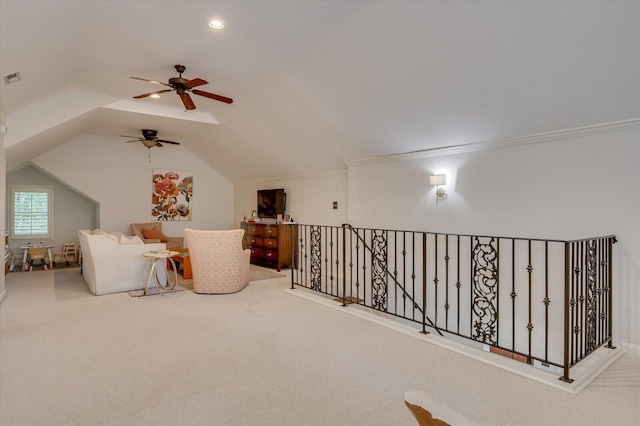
(149,154)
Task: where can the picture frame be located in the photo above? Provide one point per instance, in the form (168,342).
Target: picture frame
(287,218)
(172,195)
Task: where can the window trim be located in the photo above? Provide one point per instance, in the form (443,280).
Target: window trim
(31,188)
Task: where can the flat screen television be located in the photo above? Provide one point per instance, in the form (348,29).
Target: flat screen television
(271,203)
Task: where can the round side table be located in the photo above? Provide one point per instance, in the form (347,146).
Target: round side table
(154,258)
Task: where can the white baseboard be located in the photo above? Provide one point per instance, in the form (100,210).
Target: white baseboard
(629,348)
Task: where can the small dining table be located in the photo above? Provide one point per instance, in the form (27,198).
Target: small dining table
(25,266)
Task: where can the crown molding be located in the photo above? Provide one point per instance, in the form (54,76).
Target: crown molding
(328,173)
(503,143)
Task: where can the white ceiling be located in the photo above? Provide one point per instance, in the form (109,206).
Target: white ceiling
(317,83)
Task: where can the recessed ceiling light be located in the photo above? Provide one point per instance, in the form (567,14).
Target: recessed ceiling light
(216,25)
(155,95)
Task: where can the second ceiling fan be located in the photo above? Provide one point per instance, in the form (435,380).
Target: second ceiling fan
(182,87)
(149,139)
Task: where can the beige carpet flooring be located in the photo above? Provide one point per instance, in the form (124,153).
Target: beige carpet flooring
(256,273)
(258,357)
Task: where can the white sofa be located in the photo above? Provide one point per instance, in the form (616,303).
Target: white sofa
(112,262)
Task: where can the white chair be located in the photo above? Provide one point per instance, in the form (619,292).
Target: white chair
(68,254)
(218,262)
(69,250)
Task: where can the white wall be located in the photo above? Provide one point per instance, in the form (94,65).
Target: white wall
(309,198)
(72,211)
(559,189)
(118,176)
(3,173)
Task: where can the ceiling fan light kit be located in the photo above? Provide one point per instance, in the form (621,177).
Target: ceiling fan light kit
(150,139)
(182,87)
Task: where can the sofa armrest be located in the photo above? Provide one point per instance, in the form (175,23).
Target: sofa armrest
(175,240)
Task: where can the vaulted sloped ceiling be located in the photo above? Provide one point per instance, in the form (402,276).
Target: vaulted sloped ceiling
(316,83)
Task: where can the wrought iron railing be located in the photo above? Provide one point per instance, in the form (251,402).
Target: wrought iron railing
(541,301)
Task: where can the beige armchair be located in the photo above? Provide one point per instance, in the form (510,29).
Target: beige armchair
(218,262)
(151,233)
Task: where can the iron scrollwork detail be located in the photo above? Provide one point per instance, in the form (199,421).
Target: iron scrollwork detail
(485,291)
(316,256)
(379,270)
(591,297)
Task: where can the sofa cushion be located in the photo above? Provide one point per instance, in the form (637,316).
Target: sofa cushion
(154,233)
(130,240)
(106,234)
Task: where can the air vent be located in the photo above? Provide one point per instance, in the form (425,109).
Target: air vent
(12,78)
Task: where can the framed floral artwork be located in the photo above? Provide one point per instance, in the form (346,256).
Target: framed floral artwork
(172,195)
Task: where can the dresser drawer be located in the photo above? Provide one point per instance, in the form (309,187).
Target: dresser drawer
(270,254)
(270,243)
(254,230)
(270,231)
(256,241)
(256,253)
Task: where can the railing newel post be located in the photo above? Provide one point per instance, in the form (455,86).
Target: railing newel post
(424,283)
(567,278)
(294,245)
(344,265)
(610,242)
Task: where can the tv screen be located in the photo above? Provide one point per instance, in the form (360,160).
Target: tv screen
(271,203)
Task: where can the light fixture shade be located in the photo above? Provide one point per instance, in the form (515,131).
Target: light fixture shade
(216,24)
(437,180)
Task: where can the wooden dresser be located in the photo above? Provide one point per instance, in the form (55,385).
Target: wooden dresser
(270,244)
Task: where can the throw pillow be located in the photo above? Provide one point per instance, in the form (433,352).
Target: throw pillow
(154,233)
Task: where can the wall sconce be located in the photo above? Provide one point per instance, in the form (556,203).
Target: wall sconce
(437,180)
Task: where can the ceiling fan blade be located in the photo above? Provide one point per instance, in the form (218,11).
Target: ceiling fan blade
(195,82)
(126,136)
(137,140)
(164,141)
(151,81)
(158,144)
(152,93)
(187,101)
(213,96)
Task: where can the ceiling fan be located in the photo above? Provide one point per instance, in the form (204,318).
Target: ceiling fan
(182,86)
(149,139)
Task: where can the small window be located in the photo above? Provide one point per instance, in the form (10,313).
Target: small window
(31,212)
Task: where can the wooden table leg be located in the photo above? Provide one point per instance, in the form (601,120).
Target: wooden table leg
(186,268)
